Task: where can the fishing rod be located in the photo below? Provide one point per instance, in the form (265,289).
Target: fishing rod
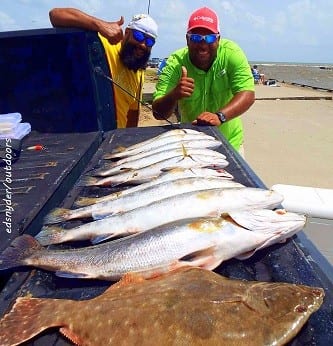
(100,71)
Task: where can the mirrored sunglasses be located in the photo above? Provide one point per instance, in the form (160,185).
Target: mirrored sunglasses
(139,36)
(196,38)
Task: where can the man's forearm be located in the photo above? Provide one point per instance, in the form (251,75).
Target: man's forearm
(164,106)
(71,17)
(239,104)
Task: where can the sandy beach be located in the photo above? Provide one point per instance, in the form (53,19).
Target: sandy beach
(288,140)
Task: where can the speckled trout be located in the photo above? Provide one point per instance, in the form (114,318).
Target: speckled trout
(169,175)
(173,136)
(208,142)
(140,198)
(158,157)
(205,243)
(203,203)
(144,174)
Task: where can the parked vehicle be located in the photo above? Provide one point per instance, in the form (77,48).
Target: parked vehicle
(154,62)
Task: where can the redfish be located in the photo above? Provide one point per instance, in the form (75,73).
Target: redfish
(168,175)
(200,242)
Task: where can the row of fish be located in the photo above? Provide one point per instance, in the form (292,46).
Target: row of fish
(184,211)
(204,242)
(146,160)
(192,220)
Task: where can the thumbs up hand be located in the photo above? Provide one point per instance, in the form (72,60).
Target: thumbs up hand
(111,30)
(185,86)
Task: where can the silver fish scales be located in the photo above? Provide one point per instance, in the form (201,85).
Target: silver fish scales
(205,242)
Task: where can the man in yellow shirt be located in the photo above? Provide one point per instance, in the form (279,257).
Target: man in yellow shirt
(127,54)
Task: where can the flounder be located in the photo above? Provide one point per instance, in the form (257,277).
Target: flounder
(190,306)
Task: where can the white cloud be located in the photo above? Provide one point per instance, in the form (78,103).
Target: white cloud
(305,25)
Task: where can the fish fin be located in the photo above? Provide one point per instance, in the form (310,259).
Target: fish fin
(205,259)
(128,279)
(69,275)
(107,156)
(70,335)
(246,255)
(57,215)
(89,181)
(99,215)
(50,235)
(19,250)
(184,151)
(168,169)
(100,238)
(217,166)
(25,309)
(84,201)
(98,172)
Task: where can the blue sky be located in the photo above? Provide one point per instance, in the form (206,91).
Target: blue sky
(276,30)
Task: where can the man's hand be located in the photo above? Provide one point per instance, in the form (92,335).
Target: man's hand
(112,31)
(185,86)
(207,118)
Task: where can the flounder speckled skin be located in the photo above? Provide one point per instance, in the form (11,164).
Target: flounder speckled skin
(191,306)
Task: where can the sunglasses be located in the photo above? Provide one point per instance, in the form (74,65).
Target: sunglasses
(196,38)
(139,36)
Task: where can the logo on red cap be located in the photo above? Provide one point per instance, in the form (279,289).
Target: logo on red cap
(204,18)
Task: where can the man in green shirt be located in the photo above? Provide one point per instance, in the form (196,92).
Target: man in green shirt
(209,81)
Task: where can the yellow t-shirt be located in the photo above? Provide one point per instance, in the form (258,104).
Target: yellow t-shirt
(127,79)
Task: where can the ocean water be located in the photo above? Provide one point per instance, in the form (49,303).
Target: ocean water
(313,75)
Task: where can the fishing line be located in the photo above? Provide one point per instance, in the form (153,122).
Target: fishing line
(148,6)
(100,72)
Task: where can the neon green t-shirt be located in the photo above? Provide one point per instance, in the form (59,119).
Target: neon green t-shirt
(229,74)
(127,79)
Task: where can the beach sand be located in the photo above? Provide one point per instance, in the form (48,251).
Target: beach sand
(288,140)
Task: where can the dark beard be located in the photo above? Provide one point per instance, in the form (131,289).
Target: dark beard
(128,59)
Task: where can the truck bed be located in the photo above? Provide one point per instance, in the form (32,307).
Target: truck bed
(296,261)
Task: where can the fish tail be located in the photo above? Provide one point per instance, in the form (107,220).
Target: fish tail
(19,250)
(107,156)
(84,201)
(40,313)
(96,172)
(112,156)
(117,150)
(51,235)
(57,215)
(89,181)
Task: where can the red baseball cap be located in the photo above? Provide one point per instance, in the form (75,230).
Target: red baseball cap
(204,17)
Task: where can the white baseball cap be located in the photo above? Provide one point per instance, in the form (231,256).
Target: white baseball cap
(144,23)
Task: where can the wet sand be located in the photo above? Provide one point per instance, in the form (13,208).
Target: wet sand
(288,140)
